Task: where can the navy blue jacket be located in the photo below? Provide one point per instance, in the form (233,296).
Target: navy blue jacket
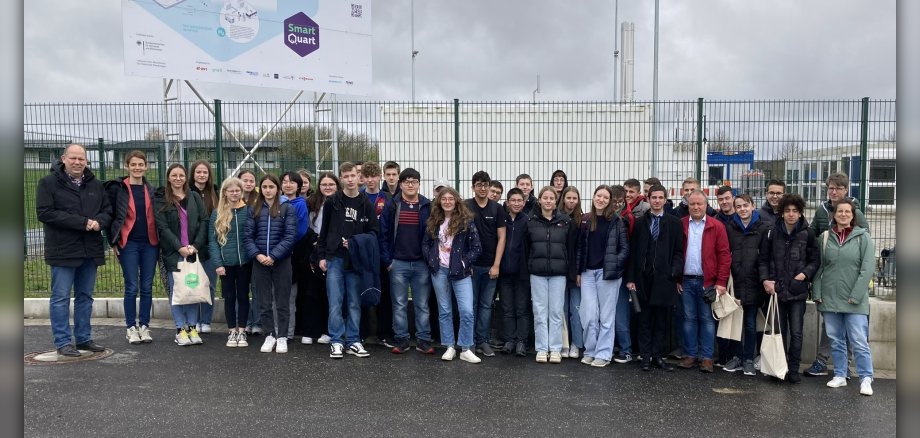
(272,236)
(465,249)
(513,257)
(365,258)
(616,250)
(389,224)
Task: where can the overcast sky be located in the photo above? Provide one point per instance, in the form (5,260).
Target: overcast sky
(493,50)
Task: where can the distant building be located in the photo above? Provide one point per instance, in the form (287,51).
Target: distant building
(807,173)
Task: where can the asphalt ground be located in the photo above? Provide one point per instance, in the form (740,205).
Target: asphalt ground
(161,389)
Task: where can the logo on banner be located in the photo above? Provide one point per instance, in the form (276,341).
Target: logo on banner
(301,34)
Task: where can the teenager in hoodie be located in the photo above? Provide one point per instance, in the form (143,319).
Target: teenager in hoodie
(559,181)
(291,187)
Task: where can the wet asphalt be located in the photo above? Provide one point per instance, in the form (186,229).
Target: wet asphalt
(161,389)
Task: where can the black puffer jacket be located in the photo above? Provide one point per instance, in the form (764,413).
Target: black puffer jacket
(549,245)
(64,208)
(784,255)
(745,244)
(616,251)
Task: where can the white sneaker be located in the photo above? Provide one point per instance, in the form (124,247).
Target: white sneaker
(182,339)
(837,382)
(133,336)
(865,386)
(757,362)
(450,354)
(587,360)
(556,357)
(144,333)
(357,349)
(324,339)
(205,328)
(469,356)
(306,340)
(573,352)
(281,345)
(564,353)
(335,351)
(268,345)
(256,330)
(541,357)
(231,340)
(193,335)
(241,339)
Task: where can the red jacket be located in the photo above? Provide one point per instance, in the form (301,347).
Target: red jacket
(717,255)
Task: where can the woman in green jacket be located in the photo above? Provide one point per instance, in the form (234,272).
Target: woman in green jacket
(230,259)
(841,292)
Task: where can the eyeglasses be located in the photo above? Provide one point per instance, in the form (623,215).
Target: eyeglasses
(481,185)
(411,182)
(836,189)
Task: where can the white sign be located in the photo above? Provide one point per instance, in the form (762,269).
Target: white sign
(317,45)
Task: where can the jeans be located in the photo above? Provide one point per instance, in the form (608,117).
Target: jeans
(206,311)
(235,289)
(749,335)
(571,307)
(255,310)
(852,328)
(548,295)
(81,279)
(598,312)
(185,315)
(343,289)
(138,265)
(824,345)
(463,291)
(405,275)
(699,325)
(484,297)
(791,320)
(515,295)
(623,318)
(275,283)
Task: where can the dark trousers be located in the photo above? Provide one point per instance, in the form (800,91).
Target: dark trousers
(652,323)
(750,338)
(791,320)
(378,320)
(274,284)
(515,295)
(314,314)
(235,289)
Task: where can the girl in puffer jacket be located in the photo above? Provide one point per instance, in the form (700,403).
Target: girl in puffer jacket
(232,263)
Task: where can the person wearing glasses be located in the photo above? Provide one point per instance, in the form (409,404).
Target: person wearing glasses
(770,209)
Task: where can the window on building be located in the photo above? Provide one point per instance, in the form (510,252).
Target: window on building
(716,175)
(881,195)
(882,171)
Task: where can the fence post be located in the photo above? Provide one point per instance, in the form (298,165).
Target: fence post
(864,153)
(699,142)
(457,144)
(101,144)
(218,143)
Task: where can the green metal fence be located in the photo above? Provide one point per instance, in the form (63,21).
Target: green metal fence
(740,143)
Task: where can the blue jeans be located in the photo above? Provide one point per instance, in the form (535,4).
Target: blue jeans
(853,328)
(138,265)
(548,294)
(598,312)
(404,275)
(484,296)
(623,317)
(343,288)
(185,315)
(206,311)
(571,310)
(463,291)
(81,279)
(699,326)
(749,336)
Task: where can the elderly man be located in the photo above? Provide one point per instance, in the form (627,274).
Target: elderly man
(72,205)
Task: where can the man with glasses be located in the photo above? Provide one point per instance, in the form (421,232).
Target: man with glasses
(770,210)
(489,218)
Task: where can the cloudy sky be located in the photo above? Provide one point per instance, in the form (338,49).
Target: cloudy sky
(494,50)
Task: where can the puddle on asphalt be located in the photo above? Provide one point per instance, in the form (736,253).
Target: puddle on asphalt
(727,391)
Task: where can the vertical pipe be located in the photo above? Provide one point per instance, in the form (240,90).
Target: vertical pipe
(457,144)
(101,144)
(864,153)
(655,100)
(699,140)
(218,143)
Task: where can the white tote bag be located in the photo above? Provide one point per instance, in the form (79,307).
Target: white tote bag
(772,353)
(190,284)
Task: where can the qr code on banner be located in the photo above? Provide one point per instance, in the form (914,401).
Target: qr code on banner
(355,10)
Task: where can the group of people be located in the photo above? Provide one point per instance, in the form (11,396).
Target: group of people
(335,264)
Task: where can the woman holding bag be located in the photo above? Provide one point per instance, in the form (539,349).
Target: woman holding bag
(232,263)
(182,222)
(841,292)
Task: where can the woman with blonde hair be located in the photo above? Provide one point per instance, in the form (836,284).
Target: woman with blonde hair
(233,264)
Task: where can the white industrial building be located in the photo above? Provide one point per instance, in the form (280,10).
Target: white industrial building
(809,170)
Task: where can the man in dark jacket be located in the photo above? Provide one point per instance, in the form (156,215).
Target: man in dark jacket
(725,197)
(655,265)
(73,206)
(770,209)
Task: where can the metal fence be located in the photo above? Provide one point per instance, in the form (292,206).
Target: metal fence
(739,143)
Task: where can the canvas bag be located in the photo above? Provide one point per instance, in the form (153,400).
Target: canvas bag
(772,353)
(190,284)
(726,303)
(730,325)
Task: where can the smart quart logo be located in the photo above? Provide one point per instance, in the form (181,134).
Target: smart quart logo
(301,34)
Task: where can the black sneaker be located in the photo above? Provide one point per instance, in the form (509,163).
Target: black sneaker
(485,349)
(91,346)
(677,354)
(424,347)
(733,365)
(69,351)
(623,358)
(748,367)
(520,349)
(386,343)
(401,347)
(508,348)
(794,377)
(817,368)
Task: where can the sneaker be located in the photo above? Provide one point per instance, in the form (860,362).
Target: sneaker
(469,356)
(587,360)
(485,349)
(757,362)
(794,377)
(193,335)
(401,347)
(133,336)
(520,349)
(541,357)
(268,345)
(732,365)
(677,354)
(450,354)
(865,386)
(335,351)
(205,328)
(564,353)
(720,362)
(182,338)
(817,368)
(306,340)
(324,339)
(555,357)
(623,358)
(357,349)
(144,333)
(386,342)
(256,330)
(281,345)
(248,330)
(599,363)
(574,352)
(231,340)
(837,382)
(425,347)
(241,339)
(508,348)
(748,367)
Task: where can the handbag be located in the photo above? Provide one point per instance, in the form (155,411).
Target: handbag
(190,284)
(772,353)
(710,294)
(726,303)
